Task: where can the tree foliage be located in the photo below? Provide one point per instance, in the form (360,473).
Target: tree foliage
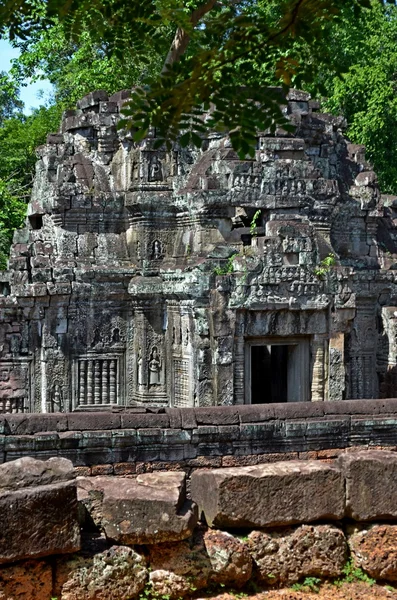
(197,65)
(366,93)
(19,138)
(210,39)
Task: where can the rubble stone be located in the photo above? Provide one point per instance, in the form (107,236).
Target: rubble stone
(374,549)
(29,580)
(209,557)
(269,494)
(287,556)
(116,573)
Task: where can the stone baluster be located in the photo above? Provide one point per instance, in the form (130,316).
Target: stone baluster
(97,382)
(82,377)
(105,383)
(90,382)
(112,382)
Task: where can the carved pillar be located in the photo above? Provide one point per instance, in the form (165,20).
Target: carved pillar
(362,351)
(239,359)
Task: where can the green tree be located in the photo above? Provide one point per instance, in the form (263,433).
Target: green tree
(10,104)
(366,93)
(19,138)
(210,39)
(76,68)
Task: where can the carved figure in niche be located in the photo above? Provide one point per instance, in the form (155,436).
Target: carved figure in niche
(97,337)
(139,362)
(138,250)
(56,401)
(155,170)
(116,336)
(155,366)
(173,336)
(187,337)
(156,249)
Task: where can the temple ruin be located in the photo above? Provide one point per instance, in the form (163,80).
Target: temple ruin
(188,278)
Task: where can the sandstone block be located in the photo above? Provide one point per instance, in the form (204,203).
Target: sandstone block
(374,549)
(39,521)
(116,573)
(284,557)
(371,484)
(149,509)
(209,557)
(30,580)
(39,504)
(269,494)
(26,472)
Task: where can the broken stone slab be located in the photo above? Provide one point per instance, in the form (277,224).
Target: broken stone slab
(149,509)
(27,471)
(288,555)
(374,549)
(371,484)
(282,493)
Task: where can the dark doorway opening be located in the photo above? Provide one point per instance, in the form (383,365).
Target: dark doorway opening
(269,374)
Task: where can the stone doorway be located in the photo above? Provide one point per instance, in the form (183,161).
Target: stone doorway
(277,370)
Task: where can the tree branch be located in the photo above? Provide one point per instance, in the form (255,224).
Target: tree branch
(182,38)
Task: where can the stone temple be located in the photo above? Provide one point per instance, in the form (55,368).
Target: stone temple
(185,278)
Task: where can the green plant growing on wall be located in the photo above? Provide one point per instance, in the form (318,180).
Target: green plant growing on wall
(353,574)
(325,266)
(227,268)
(254,223)
(309,584)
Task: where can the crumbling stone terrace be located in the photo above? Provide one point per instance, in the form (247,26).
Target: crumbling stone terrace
(269,524)
(190,278)
(140,440)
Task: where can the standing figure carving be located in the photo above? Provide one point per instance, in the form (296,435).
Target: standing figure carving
(156,250)
(155,170)
(155,366)
(55,404)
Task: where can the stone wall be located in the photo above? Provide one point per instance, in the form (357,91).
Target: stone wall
(148,277)
(137,440)
(140,537)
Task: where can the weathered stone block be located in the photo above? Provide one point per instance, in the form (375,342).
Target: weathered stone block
(118,572)
(210,557)
(29,580)
(40,521)
(269,494)
(286,556)
(371,484)
(80,421)
(150,509)
(374,549)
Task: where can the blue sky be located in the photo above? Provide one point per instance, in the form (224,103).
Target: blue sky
(29,93)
